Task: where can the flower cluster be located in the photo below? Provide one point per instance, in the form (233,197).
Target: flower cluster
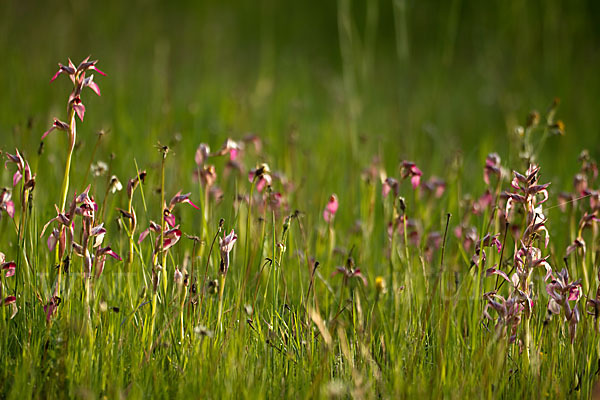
(78,77)
(8,270)
(92,234)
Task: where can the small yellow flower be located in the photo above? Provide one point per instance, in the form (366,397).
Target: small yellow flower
(380,284)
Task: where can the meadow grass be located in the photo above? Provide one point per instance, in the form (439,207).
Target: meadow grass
(331,101)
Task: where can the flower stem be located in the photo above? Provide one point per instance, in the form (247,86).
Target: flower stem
(65,190)
(131,249)
(72,137)
(221,290)
(183,293)
(162,216)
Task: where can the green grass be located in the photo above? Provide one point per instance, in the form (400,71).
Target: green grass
(332,90)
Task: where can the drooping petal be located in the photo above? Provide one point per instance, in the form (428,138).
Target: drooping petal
(553,290)
(17,177)
(89,82)
(143,235)
(52,240)
(553,306)
(50,308)
(58,124)
(359,275)
(101,260)
(415,181)
(10,208)
(172,236)
(9,300)
(10,268)
(574,293)
(170,219)
(56,75)
(260,185)
(177,276)
(109,252)
(64,69)
(94,87)
(202,154)
(182,198)
(93,67)
(494,271)
(80,110)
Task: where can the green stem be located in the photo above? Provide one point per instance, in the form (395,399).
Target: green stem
(247,247)
(73,137)
(221,290)
(183,293)
(162,211)
(65,189)
(526,359)
(130,254)
(161,247)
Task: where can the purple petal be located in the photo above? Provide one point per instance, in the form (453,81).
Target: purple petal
(575,293)
(80,110)
(260,185)
(16,178)
(359,274)
(56,75)
(171,237)
(170,220)
(48,132)
(143,235)
(494,271)
(333,204)
(114,255)
(94,86)
(10,208)
(97,70)
(100,265)
(385,189)
(52,240)
(415,181)
(9,300)
(193,205)
(10,268)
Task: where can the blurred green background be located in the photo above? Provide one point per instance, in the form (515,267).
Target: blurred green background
(336,80)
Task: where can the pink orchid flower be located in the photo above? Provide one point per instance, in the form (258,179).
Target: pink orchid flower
(6,204)
(101,258)
(181,198)
(226,245)
(58,125)
(154,227)
(202,154)
(331,209)
(492,167)
(230,147)
(410,170)
(9,267)
(171,237)
(390,185)
(262,176)
(348,273)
